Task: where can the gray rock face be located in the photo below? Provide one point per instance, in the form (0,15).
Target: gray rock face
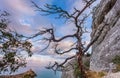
(106,17)
(71,66)
(68,72)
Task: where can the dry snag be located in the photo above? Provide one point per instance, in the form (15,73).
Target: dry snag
(78,18)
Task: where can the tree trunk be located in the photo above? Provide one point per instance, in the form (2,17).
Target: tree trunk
(80,62)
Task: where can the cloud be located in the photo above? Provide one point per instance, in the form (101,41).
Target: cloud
(26,21)
(66,44)
(78,4)
(36,49)
(20,11)
(18,6)
(22,29)
(23,17)
(41,60)
(68,28)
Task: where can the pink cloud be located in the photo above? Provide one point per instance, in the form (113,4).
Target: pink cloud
(41,60)
(19,6)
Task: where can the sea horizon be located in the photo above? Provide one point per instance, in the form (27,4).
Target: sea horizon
(37,64)
(41,72)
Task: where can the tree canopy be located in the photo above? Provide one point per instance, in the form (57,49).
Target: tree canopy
(12,44)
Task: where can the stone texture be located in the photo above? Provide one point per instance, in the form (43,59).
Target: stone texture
(68,72)
(113,75)
(106,17)
(70,66)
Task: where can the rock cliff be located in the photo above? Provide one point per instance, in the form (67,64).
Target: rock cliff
(68,72)
(71,70)
(106,16)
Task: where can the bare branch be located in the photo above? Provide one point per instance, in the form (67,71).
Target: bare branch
(51,32)
(45,47)
(88,3)
(95,39)
(59,67)
(78,19)
(63,52)
(53,9)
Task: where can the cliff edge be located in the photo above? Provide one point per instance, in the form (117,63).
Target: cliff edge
(107,16)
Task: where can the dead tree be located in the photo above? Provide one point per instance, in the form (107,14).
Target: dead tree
(78,18)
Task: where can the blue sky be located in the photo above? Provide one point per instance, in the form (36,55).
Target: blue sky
(25,20)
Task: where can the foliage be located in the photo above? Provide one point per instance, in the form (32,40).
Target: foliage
(116,61)
(87,64)
(12,45)
(77,72)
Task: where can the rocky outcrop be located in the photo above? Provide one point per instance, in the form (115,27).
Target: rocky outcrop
(71,67)
(68,72)
(27,74)
(106,24)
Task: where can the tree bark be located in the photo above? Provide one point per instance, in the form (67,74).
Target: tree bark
(80,62)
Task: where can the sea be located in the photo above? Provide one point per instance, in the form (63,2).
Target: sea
(45,73)
(41,72)
(38,64)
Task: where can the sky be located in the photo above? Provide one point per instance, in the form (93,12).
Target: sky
(26,20)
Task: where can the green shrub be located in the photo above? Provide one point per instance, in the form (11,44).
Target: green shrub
(77,72)
(116,60)
(101,74)
(87,64)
